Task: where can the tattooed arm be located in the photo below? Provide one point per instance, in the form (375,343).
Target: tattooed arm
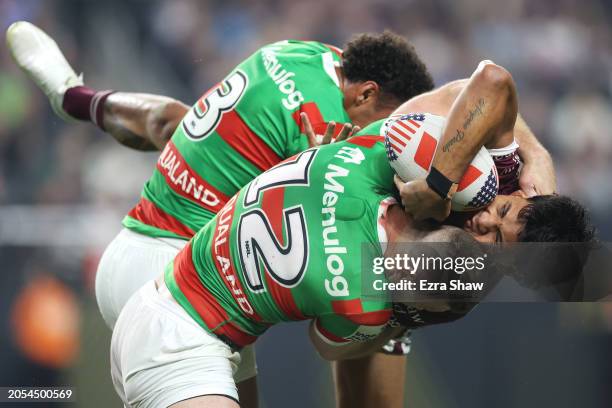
(538,174)
(483,114)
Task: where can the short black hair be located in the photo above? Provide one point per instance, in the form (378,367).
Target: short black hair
(555,218)
(389,60)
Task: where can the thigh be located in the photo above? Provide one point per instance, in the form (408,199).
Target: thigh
(128,262)
(246,378)
(248,393)
(208,401)
(160,356)
(376,380)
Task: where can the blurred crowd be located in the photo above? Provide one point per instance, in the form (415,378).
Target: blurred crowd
(559,52)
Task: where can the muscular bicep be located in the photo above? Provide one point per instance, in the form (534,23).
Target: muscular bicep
(438,101)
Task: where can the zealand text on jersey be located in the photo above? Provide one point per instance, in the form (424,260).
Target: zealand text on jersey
(184,180)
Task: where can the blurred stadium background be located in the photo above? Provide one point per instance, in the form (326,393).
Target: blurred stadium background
(64,188)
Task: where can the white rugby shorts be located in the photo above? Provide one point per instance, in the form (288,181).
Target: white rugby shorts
(130,260)
(160,355)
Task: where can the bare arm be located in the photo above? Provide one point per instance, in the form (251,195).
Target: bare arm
(538,174)
(483,114)
(353,349)
(142,121)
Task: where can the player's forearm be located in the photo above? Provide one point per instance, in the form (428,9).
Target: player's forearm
(483,114)
(142,121)
(530,149)
(353,350)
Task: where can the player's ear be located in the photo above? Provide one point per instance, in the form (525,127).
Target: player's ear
(369,92)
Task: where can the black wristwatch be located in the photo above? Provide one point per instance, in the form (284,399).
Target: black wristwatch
(438,182)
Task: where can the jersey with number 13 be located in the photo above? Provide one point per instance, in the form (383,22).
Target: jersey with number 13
(246,124)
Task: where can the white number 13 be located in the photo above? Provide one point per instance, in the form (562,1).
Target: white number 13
(203,118)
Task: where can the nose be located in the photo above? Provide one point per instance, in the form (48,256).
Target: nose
(486,222)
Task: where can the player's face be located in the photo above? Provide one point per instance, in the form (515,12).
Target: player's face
(499,221)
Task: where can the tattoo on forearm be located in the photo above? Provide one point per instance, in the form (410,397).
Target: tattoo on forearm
(477,111)
(455,139)
(474,113)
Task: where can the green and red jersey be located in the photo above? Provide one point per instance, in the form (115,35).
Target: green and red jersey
(290,246)
(246,124)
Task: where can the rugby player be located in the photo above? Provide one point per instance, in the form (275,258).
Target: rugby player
(128,117)
(243,126)
(280,250)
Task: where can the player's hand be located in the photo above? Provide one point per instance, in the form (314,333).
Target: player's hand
(538,178)
(347,131)
(422,202)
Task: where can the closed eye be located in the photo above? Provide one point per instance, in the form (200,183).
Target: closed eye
(502,212)
(505,210)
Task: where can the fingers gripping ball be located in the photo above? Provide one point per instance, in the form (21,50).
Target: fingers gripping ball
(411,141)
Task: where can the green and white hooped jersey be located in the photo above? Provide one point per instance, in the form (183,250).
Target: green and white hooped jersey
(246,124)
(289,245)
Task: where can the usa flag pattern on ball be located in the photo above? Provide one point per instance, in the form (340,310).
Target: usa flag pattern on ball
(410,143)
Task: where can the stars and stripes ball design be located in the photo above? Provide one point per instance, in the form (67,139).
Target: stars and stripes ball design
(411,141)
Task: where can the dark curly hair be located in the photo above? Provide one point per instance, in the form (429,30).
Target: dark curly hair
(555,218)
(390,61)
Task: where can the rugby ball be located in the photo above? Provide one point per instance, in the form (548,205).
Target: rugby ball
(411,141)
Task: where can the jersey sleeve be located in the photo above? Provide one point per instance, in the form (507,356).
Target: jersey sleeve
(508,164)
(337,330)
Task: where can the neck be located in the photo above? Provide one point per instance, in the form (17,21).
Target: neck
(363,117)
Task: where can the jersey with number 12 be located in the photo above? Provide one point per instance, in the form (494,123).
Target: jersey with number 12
(293,245)
(241,127)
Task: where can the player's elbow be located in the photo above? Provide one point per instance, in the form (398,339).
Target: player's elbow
(493,76)
(164,120)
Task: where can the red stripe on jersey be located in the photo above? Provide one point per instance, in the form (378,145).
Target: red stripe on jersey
(201,103)
(273,204)
(314,116)
(148,213)
(425,151)
(329,335)
(319,126)
(366,141)
(235,335)
(186,182)
(471,174)
(236,133)
(187,279)
(204,302)
(353,311)
(334,49)
(223,260)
